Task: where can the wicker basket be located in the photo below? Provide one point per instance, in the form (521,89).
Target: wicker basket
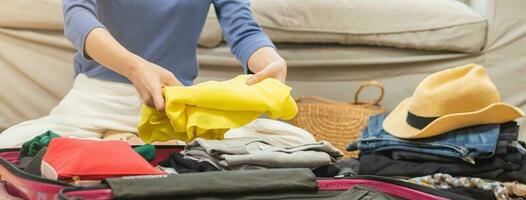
(337,122)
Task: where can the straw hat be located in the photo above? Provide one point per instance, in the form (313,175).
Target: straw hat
(448,100)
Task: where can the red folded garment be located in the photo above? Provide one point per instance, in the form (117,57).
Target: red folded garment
(81,159)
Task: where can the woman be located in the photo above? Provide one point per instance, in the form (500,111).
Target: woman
(149,44)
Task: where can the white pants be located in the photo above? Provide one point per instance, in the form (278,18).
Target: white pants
(90,109)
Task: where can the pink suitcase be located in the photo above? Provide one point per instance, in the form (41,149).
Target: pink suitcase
(324,185)
(28,186)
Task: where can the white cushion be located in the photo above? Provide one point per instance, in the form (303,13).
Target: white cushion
(418,24)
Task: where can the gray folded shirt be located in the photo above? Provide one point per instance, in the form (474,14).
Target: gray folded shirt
(246,153)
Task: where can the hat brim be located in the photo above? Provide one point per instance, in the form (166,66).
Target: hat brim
(396,125)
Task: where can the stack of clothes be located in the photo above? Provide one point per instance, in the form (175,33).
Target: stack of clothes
(453,133)
(249,153)
(260,144)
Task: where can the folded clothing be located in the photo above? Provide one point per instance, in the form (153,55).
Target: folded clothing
(507,151)
(213,184)
(421,157)
(31,147)
(182,164)
(277,132)
(81,159)
(496,168)
(466,143)
(507,148)
(209,109)
(244,153)
(178,163)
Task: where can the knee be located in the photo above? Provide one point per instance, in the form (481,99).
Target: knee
(14,137)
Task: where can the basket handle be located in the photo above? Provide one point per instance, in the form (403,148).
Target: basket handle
(317,98)
(370,84)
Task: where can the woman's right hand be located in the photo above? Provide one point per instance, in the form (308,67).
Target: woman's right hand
(149,80)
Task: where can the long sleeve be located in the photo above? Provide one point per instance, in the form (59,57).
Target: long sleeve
(242,33)
(79,20)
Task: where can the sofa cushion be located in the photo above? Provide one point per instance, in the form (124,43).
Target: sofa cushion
(31,14)
(431,24)
(211,36)
(439,25)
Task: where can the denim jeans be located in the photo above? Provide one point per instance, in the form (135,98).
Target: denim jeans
(466,143)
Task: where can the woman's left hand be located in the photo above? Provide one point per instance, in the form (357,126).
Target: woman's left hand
(276,69)
(267,63)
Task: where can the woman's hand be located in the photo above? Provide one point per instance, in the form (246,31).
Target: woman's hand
(276,69)
(149,80)
(267,63)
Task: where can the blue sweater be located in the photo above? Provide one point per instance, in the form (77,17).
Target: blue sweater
(165,32)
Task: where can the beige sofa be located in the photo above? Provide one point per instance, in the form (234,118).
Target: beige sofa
(36,60)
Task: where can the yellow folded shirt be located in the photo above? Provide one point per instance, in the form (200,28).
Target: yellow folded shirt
(209,109)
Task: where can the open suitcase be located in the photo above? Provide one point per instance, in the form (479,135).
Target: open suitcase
(27,186)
